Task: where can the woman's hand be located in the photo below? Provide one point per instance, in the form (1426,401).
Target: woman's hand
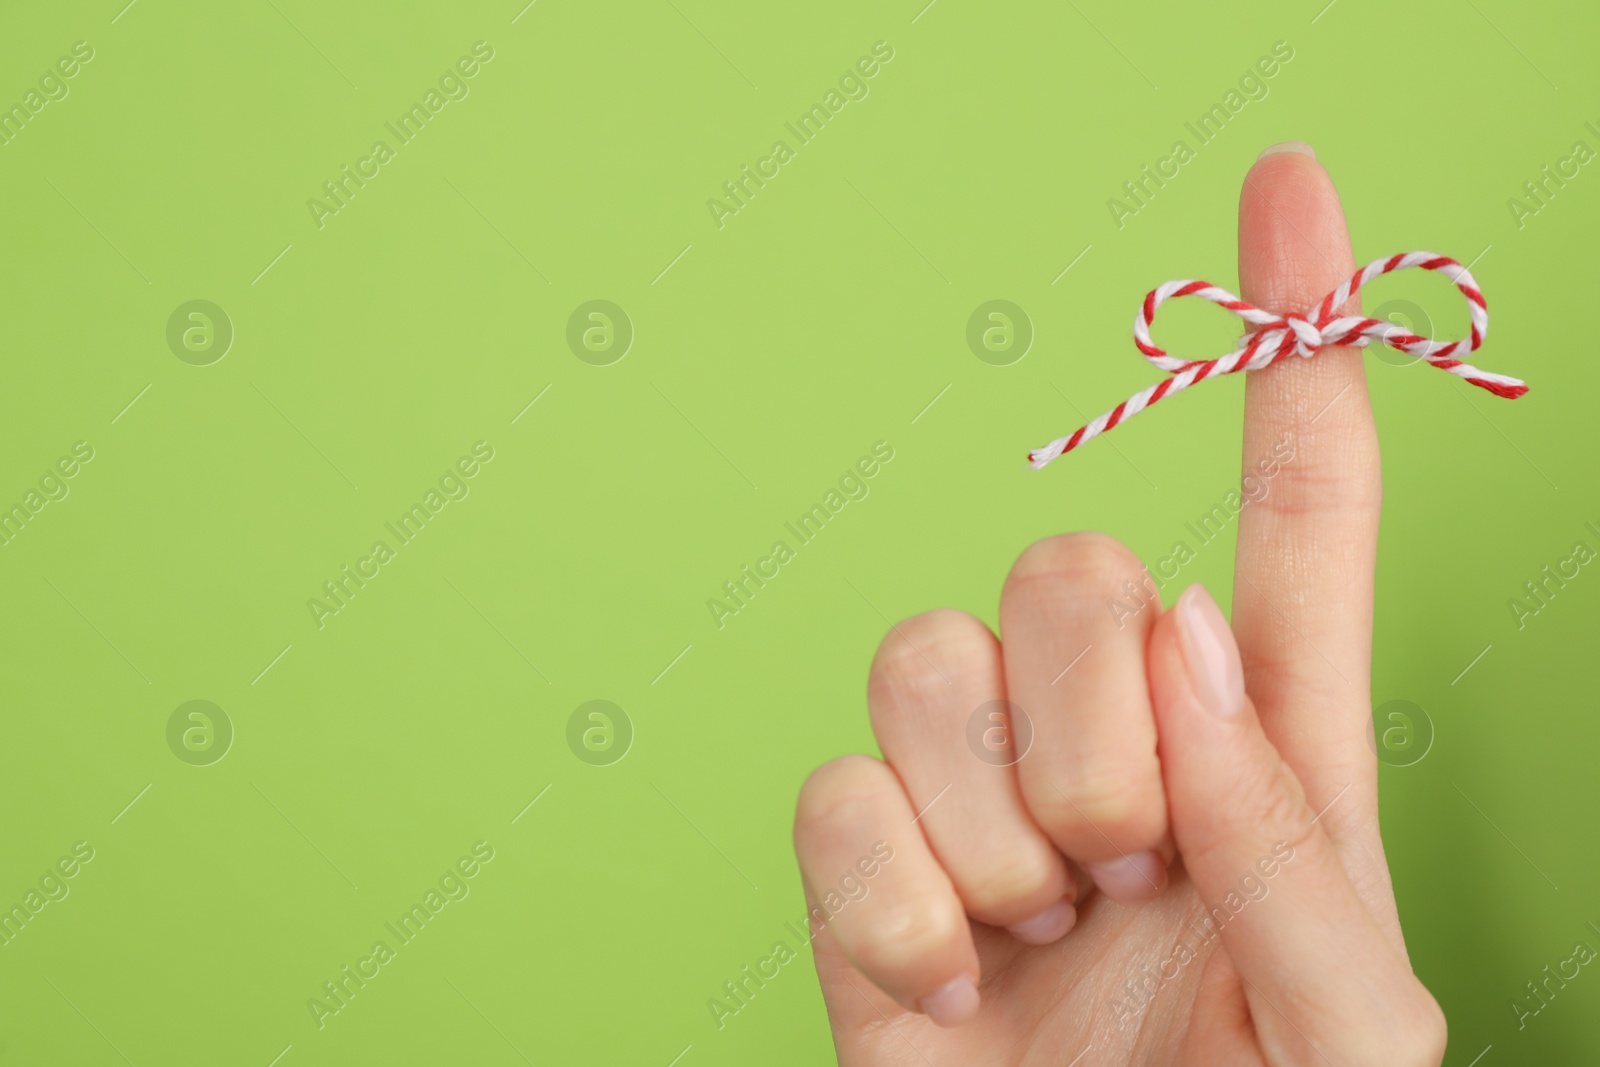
(1216,785)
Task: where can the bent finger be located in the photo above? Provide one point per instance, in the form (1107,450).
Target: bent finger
(936,693)
(1076,666)
(872,880)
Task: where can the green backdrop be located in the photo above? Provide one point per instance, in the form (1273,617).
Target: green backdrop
(423,334)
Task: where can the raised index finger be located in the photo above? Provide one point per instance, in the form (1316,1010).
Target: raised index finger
(1303,584)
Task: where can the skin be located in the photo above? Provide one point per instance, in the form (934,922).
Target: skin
(1034,912)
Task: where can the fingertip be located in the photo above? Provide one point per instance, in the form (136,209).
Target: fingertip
(1294,245)
(1050,925)
(1197,690)
(1215,671)
(1288,146)
(1131,879)
(952,1004)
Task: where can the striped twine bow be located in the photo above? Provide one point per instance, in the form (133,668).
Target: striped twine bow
(1273,337)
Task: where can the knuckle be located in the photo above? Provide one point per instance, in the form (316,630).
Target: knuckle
(834,795)
(1266,801)
(903,938)
(1315,484)
(921,658)
(1015,872)
(1274,798)
(1091,564)
(1125,807)
(1421,1033)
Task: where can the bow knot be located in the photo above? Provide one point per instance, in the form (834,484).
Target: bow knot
(1308,338)
(1274,337)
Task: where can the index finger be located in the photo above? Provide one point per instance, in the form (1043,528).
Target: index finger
(1303,579)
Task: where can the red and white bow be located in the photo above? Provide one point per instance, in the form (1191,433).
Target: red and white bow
(1273,337)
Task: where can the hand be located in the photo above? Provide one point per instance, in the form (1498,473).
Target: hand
(1216,785)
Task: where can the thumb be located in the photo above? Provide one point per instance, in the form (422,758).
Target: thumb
(1319,974)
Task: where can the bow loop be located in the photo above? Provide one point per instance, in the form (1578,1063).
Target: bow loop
(1273,337)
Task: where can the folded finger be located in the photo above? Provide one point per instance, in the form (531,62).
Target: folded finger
(871,878)
(937,697)
(1075,664)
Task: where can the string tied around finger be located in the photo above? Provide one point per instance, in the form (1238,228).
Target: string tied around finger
(1273,337)
(1307,337)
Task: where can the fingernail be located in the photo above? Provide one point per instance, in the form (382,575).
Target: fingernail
(1049,925)
(952,1004)
(1130,879)
(1210,653)
(1289,146)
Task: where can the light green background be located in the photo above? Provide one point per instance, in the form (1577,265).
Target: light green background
(824,317)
